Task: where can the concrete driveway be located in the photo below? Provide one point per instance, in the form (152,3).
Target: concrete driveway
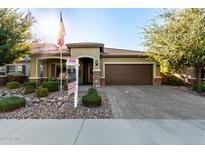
(155,102)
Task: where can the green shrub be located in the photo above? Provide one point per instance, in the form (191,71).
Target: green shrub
(13,85)
(29,89)
(168,79)
(194,87)
(91,100)
(16,76)
(12,103)
(33,84)
(42,92)
(92,90)
(51,85)
(65,86)
(201,89)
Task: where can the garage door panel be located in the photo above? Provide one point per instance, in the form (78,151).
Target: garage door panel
(128,74)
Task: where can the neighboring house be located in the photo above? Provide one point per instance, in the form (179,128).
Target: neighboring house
(11,69)
(98,65)
(189,75)
(22,68)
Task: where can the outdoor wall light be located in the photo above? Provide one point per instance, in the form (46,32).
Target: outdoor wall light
(96,62)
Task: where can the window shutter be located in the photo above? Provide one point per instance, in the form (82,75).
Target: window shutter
(24,69)
(7,69)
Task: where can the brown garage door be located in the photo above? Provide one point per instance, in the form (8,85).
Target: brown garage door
(128,74)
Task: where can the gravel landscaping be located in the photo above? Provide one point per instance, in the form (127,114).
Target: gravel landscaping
(57,106)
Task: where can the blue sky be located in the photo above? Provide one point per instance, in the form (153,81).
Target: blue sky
(117,28)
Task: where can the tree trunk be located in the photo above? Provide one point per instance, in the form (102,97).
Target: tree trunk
(198,77)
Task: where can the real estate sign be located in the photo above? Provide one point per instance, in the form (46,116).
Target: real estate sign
(72,69)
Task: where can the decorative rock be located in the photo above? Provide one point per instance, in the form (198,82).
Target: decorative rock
(36,100)
(52,101)
(13,91)
(43,99)
(60,98)
(55,97)
(66,98)
(18,95)
(60,103)
(52,108)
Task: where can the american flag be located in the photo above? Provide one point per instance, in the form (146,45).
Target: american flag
(61,33)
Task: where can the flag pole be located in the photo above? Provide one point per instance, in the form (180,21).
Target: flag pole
(61,71)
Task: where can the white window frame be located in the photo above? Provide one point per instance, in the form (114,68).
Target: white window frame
(2,69)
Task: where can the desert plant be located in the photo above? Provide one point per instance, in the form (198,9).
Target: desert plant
(169,79)
(91,100)
(13,85)
(16,76)
(51,85)
(33,84)
(11,103)
(203,87)
(42,92)
(195,87)
(92,90)
(65,86)
(29,89)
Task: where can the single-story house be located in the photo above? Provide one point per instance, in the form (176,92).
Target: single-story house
(99,65)
(20,68)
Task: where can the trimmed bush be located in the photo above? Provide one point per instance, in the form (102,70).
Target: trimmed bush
(16,76)
(203,87)
(42,92)
(13,85)
(12,103)
(195,87)
(91,100)
(33,84)
(92,90)
(51,85)
(29,89)
(65,86)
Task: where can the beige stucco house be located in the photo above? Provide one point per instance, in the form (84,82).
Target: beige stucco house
(98,65)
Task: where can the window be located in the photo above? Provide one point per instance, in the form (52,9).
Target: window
(15,69)
(12,69)
(19,69)
(2,71)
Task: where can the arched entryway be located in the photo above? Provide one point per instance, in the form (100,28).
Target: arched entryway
(86,70)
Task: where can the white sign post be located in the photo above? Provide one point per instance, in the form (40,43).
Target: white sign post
(72,69)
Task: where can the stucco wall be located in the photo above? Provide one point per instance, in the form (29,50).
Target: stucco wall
(87,52)
(33,67)
(46,61)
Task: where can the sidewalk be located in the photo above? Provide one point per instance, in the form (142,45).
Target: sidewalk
(122,131)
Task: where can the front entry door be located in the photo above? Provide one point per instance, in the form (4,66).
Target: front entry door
(90,72)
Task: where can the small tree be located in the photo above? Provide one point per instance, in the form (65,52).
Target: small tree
(177,37)
(15,32)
